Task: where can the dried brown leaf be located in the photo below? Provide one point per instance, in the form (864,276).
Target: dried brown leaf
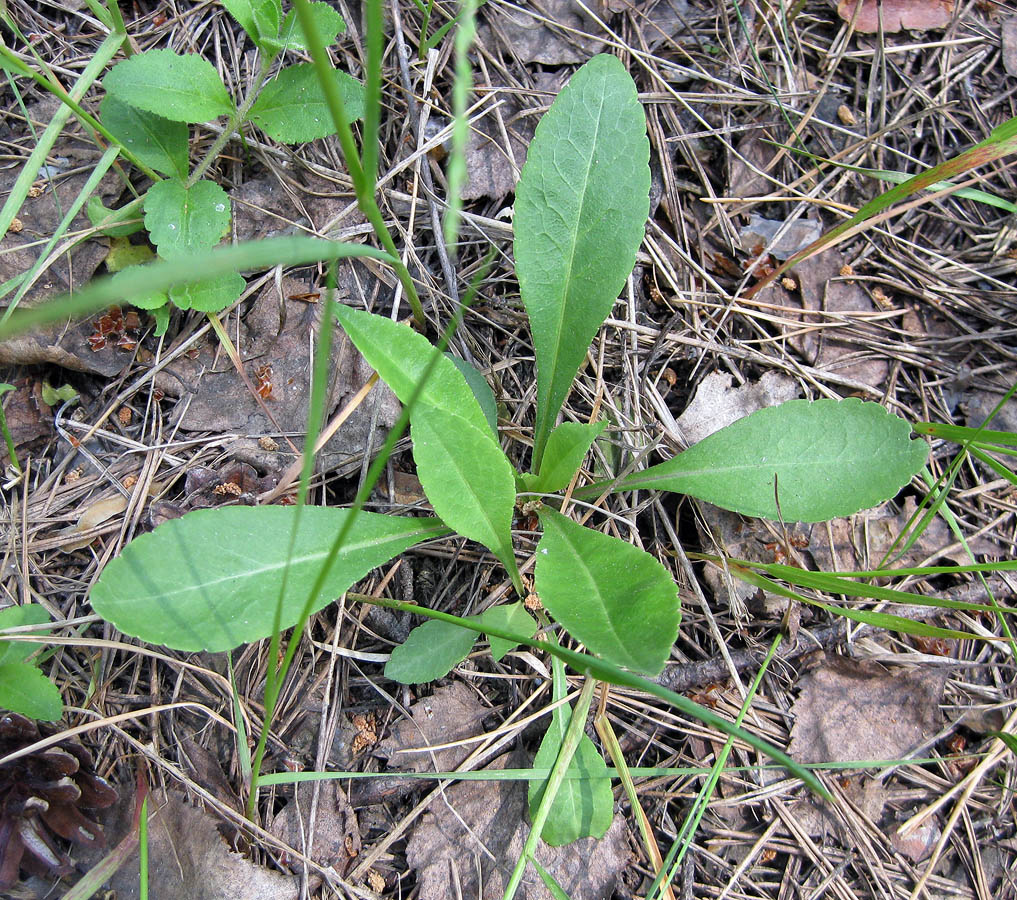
(187,857)
(451,713)
(334,839)
(554,32)
(897,15)
(466,842)
(219,401)
(849,709)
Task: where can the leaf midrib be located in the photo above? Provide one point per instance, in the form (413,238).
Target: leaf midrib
(547,414)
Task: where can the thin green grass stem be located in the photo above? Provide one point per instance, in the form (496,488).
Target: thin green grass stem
(603,670)
(569,744)
(610,741)
(27,279)
(30,171)
(460,125)
(541,774)
(276,675)
(373,40)
(363,186)
(422,43)
(240,723)
(683,841)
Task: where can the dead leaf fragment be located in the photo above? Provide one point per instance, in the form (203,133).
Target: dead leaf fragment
(28,417)
(554,32)
(334,839)
(450,714)
(897,15)
(460,845)
(851,709)
(717,404)
(187,857)
(220,401)
(1008,44)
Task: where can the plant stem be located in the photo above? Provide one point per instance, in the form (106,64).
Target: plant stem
(238,117)
(684,839)
(603,670)
(363,185)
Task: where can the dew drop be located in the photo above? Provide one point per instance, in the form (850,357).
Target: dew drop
(219,207)
(172,227)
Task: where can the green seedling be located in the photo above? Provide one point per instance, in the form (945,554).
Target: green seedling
(195,583)
(152,98)
(23,687)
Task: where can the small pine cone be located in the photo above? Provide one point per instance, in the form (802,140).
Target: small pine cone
(42,796)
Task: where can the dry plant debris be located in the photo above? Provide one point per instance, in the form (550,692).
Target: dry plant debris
(917,313)
(188,857)
(868,16)
(853,710)
(465,838)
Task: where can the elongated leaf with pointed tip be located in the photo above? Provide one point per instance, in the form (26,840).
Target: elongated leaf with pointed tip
(584,804)
(184,88)
(431,651)
(481,390)
(821,459)
(615,598)
(157,142)
(211,579)
(467,478)
(581,205)
(401,356)
(566,449)
(24,689)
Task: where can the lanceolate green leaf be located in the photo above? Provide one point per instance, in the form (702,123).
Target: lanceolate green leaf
(581,205)
(211,579)
(481,390)
(292,108)
(566,449)
(615,598)
(467,478)
(431,651)
(184,88)
(400,356)
(584,804)
(157,142)
(182,220)
(820,459)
